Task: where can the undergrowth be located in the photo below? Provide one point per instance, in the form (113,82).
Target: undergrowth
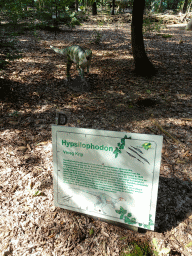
(149,25)
(138,249)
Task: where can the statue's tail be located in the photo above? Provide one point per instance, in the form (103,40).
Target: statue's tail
(57,50)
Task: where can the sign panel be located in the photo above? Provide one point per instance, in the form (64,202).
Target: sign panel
(111,175)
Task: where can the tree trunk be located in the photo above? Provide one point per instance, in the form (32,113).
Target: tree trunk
(185,6)
(143,66)
(76,5)
(94,8)
(113,8)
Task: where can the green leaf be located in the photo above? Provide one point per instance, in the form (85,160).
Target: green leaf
(122,146)
(121,217)
(189,244)
(129,214)
(39,193)
(122,238)
(147,226)
(127,220)
(123,210)
(133,220)
(155,242)
(91,232)
(116,151)
(146,145)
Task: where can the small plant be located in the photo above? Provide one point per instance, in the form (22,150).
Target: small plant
(91,231)
(166,36)
(164,251)
(149,91)
(96,37)
(138,249)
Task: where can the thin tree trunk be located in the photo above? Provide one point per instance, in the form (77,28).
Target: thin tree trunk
(185,6)
(76,5)
(94,8)
(143,66)
(113,8)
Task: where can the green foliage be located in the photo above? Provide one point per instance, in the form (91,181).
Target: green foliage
(158,252)
(149,25)
(138,249)
(91,232)
(17,11)
(166,36)
(149,91)
(189,244)
(155,6)
(162,6)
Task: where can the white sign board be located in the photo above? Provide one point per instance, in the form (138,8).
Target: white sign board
(111,175)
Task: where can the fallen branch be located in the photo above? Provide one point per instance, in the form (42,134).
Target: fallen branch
(186,119)
(168,134)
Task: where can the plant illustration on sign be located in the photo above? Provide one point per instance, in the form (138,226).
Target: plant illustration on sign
(120,146)
(146,145)
(127,217)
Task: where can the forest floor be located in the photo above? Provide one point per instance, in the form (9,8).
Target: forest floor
(118,100)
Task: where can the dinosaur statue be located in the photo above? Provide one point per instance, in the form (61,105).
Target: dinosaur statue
(79,56)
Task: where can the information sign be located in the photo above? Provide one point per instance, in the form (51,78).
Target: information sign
(110,175)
